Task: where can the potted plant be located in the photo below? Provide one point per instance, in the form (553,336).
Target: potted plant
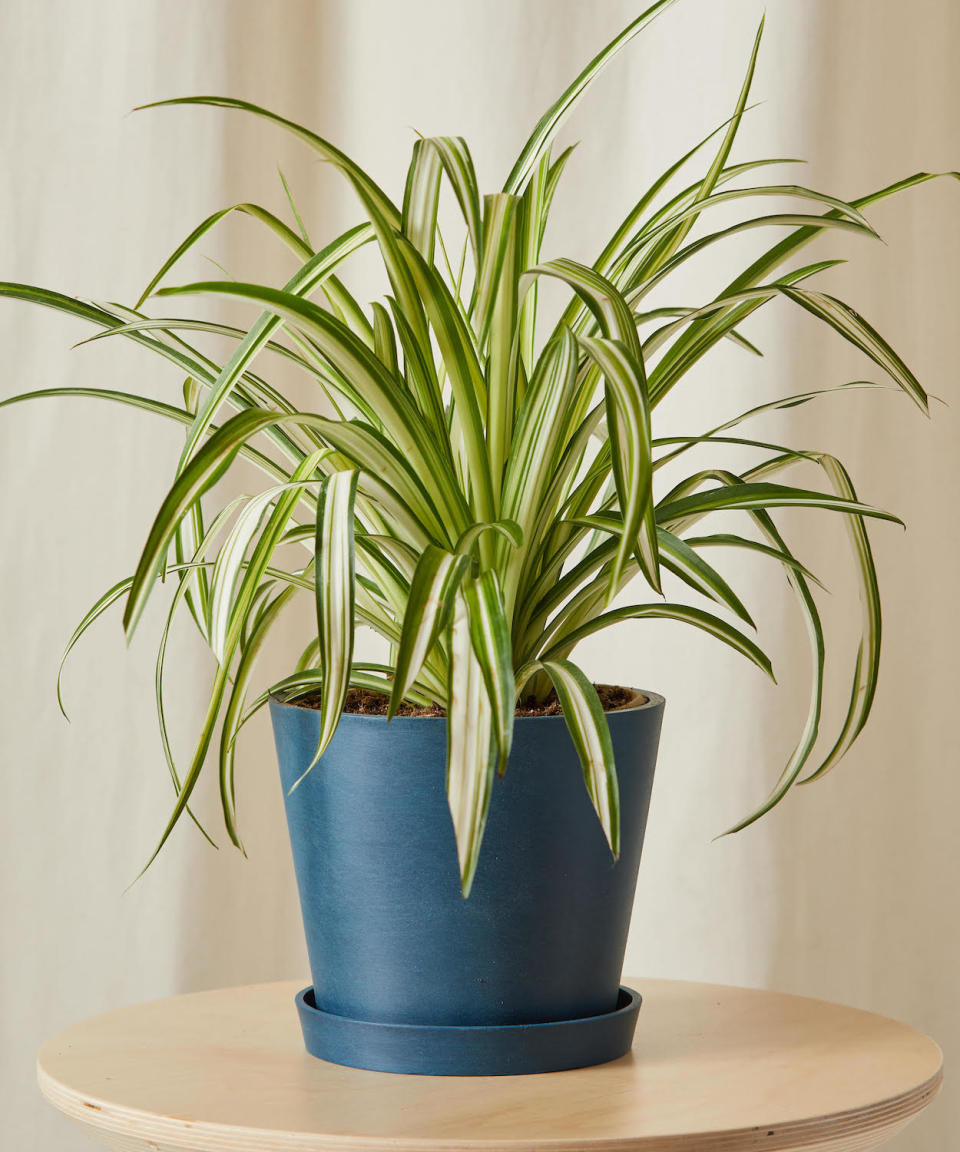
(467,814)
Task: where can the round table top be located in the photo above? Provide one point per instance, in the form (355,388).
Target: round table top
(712,1067)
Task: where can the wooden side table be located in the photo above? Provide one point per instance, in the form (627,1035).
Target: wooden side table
(713,1069)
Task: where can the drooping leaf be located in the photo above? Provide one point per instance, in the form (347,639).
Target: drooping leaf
(334,599)
(762,496)
(681,558)
(290,238)
(628,418)
(490,634)
(867,668)
(470,746)
(590,733)
(327,150)
(429,606)
(705,621)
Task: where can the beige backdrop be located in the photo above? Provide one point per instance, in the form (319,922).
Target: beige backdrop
(847,891)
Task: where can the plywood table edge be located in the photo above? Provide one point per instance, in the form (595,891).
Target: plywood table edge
(855,1129)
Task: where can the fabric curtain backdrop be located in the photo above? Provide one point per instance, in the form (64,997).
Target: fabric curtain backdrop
(846,891)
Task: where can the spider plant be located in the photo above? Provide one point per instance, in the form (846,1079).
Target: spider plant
(474,487)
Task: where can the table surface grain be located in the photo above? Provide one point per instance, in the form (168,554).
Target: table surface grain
(713,1069)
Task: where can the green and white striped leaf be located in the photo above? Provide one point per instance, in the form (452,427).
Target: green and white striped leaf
(335,598)
(867,668)
(230,558)
(811,727)
(262,624)
(301,228)
(814,629)
(550,122)
(536,208)
(383,392)
(510,530)
(384,339)
(457,162)
(609,308)
(697,340)
(249,392)
(674,225)
(294,242)
(678,231)
(310,276)
(190,532)
(628,420)
(842,318)
(639,283)
(498,316)
(421,197)
(490,634)
(470,746)
(681,558)
(466,378)
(372,677)
(591,737)
(217,455)
(327,150)
(178,598)
(793,401)
(432,591)
(730,540)
(671,512)
(537,447)
(696,617)
(721,309)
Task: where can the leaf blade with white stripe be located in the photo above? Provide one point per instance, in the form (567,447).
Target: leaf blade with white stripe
(590,733)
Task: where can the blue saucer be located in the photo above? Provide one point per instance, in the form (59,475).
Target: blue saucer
(443,1050)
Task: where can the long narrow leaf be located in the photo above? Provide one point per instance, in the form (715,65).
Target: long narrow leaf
(334,598)
(550,122)
(591,737)
(762,496)
(628,418)
(430,604)
(290,238)
(684,561)
(470,747)
(327,150)
(867,668)
(706,621)
(490,634)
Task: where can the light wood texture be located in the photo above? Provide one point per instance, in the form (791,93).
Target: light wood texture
(713,1068)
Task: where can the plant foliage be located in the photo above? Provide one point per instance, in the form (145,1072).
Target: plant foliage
(475,488)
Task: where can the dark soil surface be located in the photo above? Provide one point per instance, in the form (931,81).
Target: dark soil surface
(612,697)
(363,703)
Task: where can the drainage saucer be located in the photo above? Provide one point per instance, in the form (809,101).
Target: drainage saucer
(486,1050)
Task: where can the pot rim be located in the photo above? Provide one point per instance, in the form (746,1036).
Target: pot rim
(643,700)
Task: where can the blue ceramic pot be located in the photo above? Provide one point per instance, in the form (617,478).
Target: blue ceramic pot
(390,938)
